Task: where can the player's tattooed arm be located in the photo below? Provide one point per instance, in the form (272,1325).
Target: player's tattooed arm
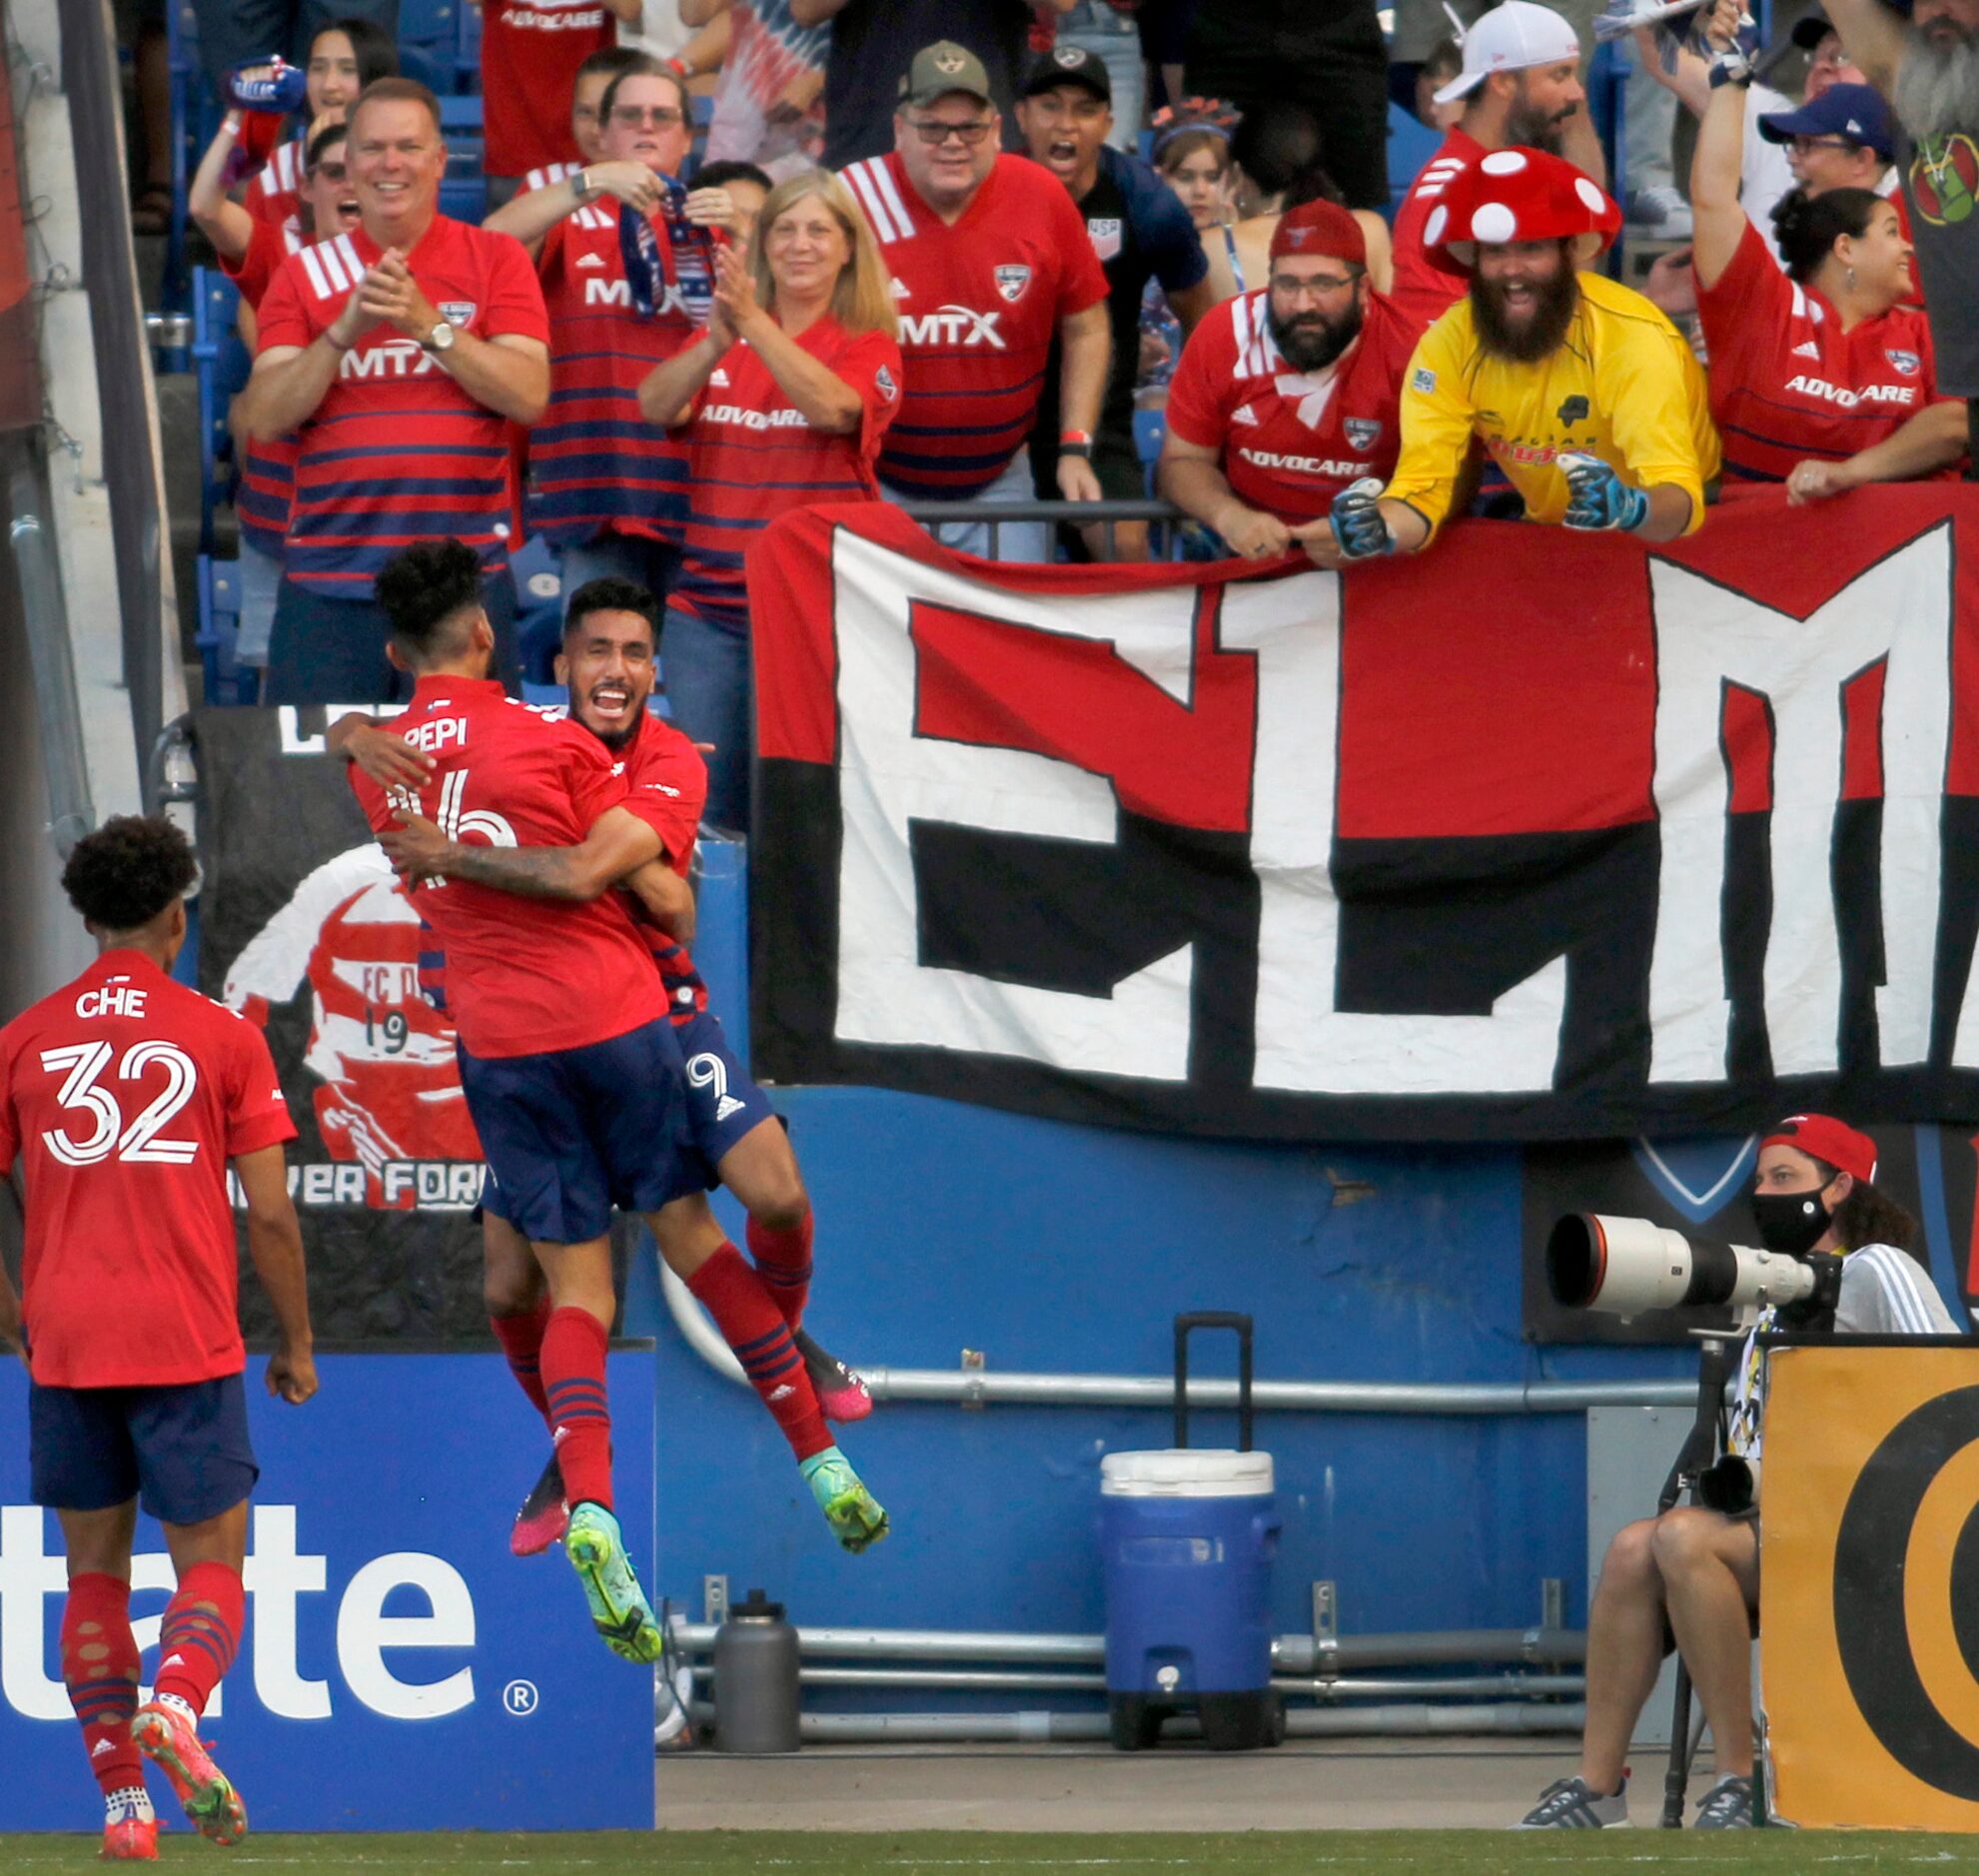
(618,844)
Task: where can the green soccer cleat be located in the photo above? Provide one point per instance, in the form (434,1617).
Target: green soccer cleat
(853,1513)
(620,1610)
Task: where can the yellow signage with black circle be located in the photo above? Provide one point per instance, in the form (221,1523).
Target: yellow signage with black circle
(1869,1586)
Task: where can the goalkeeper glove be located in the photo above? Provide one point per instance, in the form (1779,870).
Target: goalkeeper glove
(1357,522)
(1598,499)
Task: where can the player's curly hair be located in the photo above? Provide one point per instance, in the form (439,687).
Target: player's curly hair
(429,591)
(612,595)
(128,871)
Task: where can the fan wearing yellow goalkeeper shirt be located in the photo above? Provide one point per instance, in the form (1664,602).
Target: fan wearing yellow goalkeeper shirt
(1579,389)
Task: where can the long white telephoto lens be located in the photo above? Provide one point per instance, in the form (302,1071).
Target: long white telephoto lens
(1624,1266)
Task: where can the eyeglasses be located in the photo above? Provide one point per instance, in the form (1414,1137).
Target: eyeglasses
(1801,145)
(332,172)
(1317,287)
(937,133)
(660,116)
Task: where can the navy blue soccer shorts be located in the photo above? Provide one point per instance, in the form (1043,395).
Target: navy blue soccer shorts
(182,1451)
(570,1134)
(723,1102)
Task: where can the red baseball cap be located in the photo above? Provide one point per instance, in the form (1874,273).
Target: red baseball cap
(1834,1142)
(1319,227)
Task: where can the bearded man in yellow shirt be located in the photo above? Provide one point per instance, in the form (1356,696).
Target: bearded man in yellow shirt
(1582,391)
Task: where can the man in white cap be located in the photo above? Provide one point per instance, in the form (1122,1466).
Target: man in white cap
(1521,84)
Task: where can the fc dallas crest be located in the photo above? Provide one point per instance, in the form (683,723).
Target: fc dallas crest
(1011,280)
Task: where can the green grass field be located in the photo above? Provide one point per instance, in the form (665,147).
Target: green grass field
(1265,1853)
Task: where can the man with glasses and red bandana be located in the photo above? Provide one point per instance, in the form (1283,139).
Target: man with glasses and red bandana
(990,262)
(1287,395)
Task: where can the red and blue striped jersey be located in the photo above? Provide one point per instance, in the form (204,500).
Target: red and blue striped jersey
(398,452)
(980,303)
(596,466)
(755,458)
(267,480)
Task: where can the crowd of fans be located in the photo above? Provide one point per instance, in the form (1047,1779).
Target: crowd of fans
(643,355)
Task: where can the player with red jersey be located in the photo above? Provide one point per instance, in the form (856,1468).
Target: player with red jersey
(610,642)
(990,263)
(1521,84)
(124,1097)
(785,401)
(1287,395)
(531,53)
(1821,375)
(400,352)
(609,491)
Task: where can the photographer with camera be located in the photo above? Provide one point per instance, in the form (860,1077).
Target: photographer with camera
(1689,1579)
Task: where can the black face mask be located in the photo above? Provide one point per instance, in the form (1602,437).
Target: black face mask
(1790,1221)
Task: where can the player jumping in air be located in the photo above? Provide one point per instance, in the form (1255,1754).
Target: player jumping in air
(124,1096)
(609,663)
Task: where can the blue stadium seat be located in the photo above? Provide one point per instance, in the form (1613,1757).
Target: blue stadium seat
(220,367)
(226,682)
(460,114)
(429,23)
(1410,144)
(466,56)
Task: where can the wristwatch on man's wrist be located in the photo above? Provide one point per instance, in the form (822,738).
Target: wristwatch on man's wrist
(580,188)
(440,338)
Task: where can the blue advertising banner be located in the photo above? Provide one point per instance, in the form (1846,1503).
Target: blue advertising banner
(399,1670)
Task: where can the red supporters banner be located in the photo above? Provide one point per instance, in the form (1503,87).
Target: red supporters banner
(1539,835)
(20,365)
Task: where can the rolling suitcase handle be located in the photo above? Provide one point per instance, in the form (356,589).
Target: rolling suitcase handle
(1213,1318)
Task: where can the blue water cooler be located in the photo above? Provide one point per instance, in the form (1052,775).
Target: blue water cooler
(1187,1541)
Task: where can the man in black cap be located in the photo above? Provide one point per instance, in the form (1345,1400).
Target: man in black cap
(872,40)
(1140,232)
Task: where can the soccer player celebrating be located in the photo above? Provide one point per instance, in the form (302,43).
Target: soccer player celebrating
(124,1096)
(608,663)
(1579,389)
(990,261)
(1287,395)
(569,1065)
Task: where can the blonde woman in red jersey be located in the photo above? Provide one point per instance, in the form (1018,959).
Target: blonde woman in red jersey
(784,400)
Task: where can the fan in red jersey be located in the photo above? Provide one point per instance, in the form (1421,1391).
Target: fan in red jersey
(784,401)
(1820,375)
(990,263)
(530,54)
(1287,395)
(608,490)
(400,352)
(607,660)
(124,1098)
(1520,85)
(344,57)
(250,252)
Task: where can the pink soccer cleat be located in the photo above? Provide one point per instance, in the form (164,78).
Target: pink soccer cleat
(544,1515)
(167,1737)
(842,1394)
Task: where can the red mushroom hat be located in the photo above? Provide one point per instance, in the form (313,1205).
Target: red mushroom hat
(1520,195)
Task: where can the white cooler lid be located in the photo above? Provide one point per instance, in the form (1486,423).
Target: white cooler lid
(1186,1472)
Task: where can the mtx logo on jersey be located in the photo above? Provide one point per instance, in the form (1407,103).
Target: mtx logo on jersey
(396,357)
(618,293)
(952,326)
(297,1622)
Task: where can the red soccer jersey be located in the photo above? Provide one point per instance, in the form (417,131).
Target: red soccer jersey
(980,303)
(665,769)
(598,465)
(755,458)
(1291,442)
(267,469)
(525,976)
(529,54)
(1787,384)
(275,193)
(1424,292)
(124,1095)
(398,452)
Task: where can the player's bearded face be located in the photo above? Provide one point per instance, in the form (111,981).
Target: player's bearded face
(608,664)
(1311,336)
(1522,296)
(1937,79)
